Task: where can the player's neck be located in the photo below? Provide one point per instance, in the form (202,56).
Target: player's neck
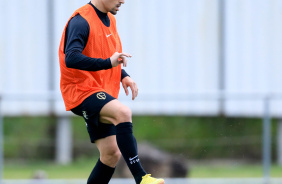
(98,4)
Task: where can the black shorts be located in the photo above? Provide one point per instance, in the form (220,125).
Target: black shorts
(90,109)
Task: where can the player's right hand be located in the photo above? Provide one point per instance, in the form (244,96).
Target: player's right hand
(118,58)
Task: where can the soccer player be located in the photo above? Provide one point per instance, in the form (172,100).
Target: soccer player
(90,56)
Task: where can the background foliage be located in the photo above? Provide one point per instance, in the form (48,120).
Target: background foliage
(193,137)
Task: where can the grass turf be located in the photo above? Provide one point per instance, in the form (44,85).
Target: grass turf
(81,169)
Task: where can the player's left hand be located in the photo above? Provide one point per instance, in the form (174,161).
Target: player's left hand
(127,81)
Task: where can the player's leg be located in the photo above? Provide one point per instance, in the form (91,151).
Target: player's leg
(120,115)
(109,156)
(114,112)
(101,134)
(109,151)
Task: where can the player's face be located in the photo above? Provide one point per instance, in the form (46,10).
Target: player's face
(113,5)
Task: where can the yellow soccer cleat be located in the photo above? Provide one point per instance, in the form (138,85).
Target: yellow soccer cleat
(147,179)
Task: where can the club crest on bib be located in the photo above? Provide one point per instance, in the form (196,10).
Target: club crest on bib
(101,96)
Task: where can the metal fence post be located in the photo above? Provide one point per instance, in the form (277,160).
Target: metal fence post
(222,53)
(266,141)
(279,142)
(64,140)
(1,145)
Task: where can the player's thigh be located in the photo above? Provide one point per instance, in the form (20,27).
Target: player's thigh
(115,112)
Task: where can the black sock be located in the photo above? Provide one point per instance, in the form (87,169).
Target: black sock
(101,174)
(128,148)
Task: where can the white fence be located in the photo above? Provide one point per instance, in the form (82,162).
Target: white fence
(177,48)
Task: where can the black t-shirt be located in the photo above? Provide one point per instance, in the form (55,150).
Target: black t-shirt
(77,33)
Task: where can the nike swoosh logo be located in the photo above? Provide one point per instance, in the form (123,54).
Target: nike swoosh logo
(130,159)
(108,35)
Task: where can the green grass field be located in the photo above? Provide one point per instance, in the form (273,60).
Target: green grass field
(81,169)
(240,171)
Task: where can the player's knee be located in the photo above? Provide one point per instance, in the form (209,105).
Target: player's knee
(124,115)
(111,157)
(116,156)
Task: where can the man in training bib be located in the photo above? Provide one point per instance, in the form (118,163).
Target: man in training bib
(90,56)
